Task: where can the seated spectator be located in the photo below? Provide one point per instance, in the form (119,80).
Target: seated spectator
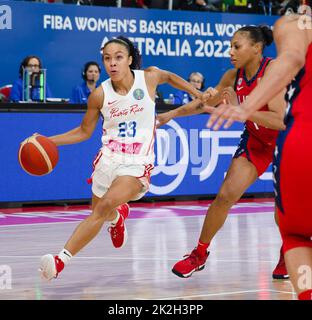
(82,2)
(32,64)
(157,4)
(266,7)
(198,81)
(90,75)
(47,1)
(124,3)
(201,5)
(240,6)
(134,4)
(287,6)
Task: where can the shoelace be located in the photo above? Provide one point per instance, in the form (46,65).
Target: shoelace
(113,230)
(193,258)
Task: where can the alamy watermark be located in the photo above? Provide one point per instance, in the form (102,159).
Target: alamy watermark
(305,21)
(5,277)
(5,17)
(305,278)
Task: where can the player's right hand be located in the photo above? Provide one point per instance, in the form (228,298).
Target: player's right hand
(209,93)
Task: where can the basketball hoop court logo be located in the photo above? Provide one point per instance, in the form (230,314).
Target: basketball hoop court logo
(304,21)
(167,154)
(5,17)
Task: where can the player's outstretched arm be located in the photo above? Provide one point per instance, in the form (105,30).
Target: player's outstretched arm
(191,108)
(292,43)
(164,76)
(210,98)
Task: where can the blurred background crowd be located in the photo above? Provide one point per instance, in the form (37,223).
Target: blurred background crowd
(278,7)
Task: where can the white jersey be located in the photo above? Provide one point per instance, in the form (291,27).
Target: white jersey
(129,123)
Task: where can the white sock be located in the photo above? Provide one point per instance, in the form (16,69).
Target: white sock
(65,256)
(113,222)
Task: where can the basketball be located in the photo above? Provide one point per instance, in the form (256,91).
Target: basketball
(38,155)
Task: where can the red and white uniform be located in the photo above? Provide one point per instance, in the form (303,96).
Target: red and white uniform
(129,123)
(257,142)
(128,136)
(292,162)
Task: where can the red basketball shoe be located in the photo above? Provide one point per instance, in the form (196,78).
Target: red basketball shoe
(280,271)
(50,266)
(118,231)
(193,262)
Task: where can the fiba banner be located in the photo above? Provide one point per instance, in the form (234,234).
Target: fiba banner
(67,36)
(190,159)
(193,160)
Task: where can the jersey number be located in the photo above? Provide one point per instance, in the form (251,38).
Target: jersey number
(127,129)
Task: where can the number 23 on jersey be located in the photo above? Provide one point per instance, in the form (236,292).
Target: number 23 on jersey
(127,129)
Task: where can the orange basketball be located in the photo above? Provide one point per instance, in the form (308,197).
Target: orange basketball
(38,155)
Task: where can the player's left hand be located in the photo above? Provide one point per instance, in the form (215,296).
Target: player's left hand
(229,95)
(226,114)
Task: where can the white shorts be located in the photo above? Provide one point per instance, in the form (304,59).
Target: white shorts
(106,171)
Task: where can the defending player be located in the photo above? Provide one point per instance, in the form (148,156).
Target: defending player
(293,154)
(255,151)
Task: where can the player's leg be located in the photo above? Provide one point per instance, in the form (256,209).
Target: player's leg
(122,190)
(299,266)
(241,174)
(280,271)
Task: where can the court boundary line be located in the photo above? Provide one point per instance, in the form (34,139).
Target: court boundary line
(139,218)
(217,294)
(135,258)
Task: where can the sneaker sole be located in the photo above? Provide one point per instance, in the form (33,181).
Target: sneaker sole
(280,276)
(47,267)
(181,275)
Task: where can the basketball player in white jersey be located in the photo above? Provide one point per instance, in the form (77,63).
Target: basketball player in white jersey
(123,166)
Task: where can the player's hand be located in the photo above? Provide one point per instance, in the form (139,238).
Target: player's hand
(226,114)
(229,95)
(163,118)
(209,93)
(208,109)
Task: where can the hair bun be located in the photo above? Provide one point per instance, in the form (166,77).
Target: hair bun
(267,34)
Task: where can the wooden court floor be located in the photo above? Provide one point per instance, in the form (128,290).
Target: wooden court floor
(242,255)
